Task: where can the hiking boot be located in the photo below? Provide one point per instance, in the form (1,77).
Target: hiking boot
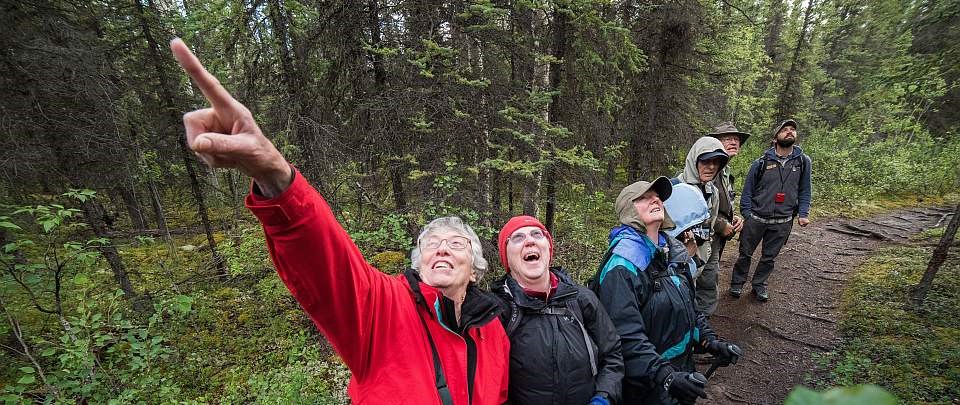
(761,294)
(736,291)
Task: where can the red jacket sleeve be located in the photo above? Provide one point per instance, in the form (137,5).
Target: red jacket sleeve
(324,269)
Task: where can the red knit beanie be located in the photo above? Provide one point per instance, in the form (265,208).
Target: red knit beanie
(510,227)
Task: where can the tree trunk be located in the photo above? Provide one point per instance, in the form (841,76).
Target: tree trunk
(291,77)
(132,205)
(171,123)
(787,98)
(158,215)
(555,110)
(396,181)
(92,213)
(920,290)
(771,41)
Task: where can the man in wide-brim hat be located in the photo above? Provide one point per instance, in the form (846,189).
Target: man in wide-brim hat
(727,223)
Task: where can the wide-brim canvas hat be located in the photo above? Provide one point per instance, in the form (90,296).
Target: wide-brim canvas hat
(727,128)
(785,122)
(632,192)
(624,204)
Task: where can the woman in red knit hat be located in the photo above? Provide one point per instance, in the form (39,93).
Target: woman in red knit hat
(564,348)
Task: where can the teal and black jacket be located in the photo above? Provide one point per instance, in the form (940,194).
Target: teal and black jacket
(648,292)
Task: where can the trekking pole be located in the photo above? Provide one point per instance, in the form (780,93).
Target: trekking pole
(713,368)
(700,380)
(717,363)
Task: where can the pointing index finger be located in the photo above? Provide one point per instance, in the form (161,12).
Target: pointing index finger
(218,96)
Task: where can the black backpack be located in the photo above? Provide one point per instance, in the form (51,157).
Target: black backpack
(762,168)
(571,308)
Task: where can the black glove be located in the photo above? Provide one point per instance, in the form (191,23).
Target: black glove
(726,353)
(685,387)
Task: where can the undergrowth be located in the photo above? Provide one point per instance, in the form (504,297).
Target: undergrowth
(913,352)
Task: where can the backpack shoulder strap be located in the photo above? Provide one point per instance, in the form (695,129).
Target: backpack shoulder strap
(513,320)
(438,378)
(573,306)
(657,269)
(761,168)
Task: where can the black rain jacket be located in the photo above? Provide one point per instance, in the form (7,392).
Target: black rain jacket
(650,299)
(549,360)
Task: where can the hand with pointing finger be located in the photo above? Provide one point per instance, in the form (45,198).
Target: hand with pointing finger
(226,135)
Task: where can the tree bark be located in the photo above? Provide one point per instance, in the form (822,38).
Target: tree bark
(919,293)
(132,204)
(787,98)
(555,110)
(92,214)
(171,121)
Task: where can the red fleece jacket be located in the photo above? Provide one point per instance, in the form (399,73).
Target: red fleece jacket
(369,317)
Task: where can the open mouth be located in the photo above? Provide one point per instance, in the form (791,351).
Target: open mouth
(531,257)
(442,265)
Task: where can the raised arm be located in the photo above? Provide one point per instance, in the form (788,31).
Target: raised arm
(225,135)
(313,254)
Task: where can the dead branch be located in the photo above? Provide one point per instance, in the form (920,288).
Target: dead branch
(845,232)
(814,317)
(942,218)
(18,334)
(783,336)
(873,234)
(735,398)
(887,225)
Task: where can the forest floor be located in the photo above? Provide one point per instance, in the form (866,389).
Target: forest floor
(784,337)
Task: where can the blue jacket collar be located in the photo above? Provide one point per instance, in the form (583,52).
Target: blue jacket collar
(635,247)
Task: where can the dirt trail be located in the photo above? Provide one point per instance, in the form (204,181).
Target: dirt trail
(781,336)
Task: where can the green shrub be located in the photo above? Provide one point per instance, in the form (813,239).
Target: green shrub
(859,395)
(912,352)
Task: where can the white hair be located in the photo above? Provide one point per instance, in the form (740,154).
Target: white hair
(457,225)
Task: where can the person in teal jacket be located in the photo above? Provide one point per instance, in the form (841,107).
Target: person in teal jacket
(646,287)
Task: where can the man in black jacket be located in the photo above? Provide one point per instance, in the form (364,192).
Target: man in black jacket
(563,346)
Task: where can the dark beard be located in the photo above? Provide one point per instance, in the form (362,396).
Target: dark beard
(786,143)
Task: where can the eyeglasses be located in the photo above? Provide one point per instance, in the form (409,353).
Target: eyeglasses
(519,237)
(453,243)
